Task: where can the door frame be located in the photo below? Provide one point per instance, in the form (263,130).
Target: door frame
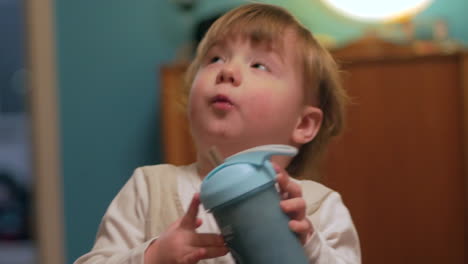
(43,109)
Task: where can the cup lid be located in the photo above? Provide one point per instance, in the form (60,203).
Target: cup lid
(241,173)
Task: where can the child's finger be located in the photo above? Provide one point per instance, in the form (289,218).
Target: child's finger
(294,190)
(193,257)
(198,223)
(207,240)
(286,185)
(300,227)
(190,220)
(204,253)
(281,177)
(214,252)
(294,207)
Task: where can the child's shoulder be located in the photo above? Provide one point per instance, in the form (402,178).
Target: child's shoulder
(308,184)
(314,194)
(161,170)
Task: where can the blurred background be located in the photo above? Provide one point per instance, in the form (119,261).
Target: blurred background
(111,59)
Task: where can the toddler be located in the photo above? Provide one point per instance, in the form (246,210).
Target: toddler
(259,77)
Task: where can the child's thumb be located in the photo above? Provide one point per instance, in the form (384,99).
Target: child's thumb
(189,220)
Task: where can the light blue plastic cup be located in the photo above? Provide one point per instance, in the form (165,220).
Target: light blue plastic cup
(242,196)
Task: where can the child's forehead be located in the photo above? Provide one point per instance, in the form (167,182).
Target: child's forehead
(238,39)
(267,40)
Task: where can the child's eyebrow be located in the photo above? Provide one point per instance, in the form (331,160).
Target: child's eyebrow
(264,46)
(216,44)
(276,52)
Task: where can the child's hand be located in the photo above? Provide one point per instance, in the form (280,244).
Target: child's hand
(181,244)
(293,205)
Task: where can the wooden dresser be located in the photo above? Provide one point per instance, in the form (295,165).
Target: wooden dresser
(400,165)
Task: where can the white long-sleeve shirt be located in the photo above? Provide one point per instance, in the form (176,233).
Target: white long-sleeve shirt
(121,236)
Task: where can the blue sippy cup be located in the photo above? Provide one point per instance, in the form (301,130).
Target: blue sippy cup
(242,196)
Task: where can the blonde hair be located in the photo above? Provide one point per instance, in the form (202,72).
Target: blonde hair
(265,23)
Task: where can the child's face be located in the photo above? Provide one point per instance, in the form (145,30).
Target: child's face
(245,95)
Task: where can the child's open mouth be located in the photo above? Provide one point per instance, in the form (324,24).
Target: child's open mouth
(222,102)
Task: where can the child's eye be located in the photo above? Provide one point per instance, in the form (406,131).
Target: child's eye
(260,66)
(216,59)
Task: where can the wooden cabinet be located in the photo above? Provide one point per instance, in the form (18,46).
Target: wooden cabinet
(400,164)
(177,143)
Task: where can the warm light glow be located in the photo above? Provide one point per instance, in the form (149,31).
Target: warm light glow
(378,10)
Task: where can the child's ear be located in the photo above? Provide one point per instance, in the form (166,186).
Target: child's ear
(308,125)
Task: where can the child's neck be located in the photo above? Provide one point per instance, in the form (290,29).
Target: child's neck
(204,165)
(205,162)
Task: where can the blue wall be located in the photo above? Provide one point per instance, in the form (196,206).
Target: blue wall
(322,20)
(452,11)
(109,53)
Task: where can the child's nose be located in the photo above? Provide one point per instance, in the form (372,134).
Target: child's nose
(228,75)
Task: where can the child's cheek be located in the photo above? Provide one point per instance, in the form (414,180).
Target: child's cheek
(260,106)
(194,102)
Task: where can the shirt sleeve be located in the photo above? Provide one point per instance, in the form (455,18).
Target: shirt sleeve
(121,235)
(335,239)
